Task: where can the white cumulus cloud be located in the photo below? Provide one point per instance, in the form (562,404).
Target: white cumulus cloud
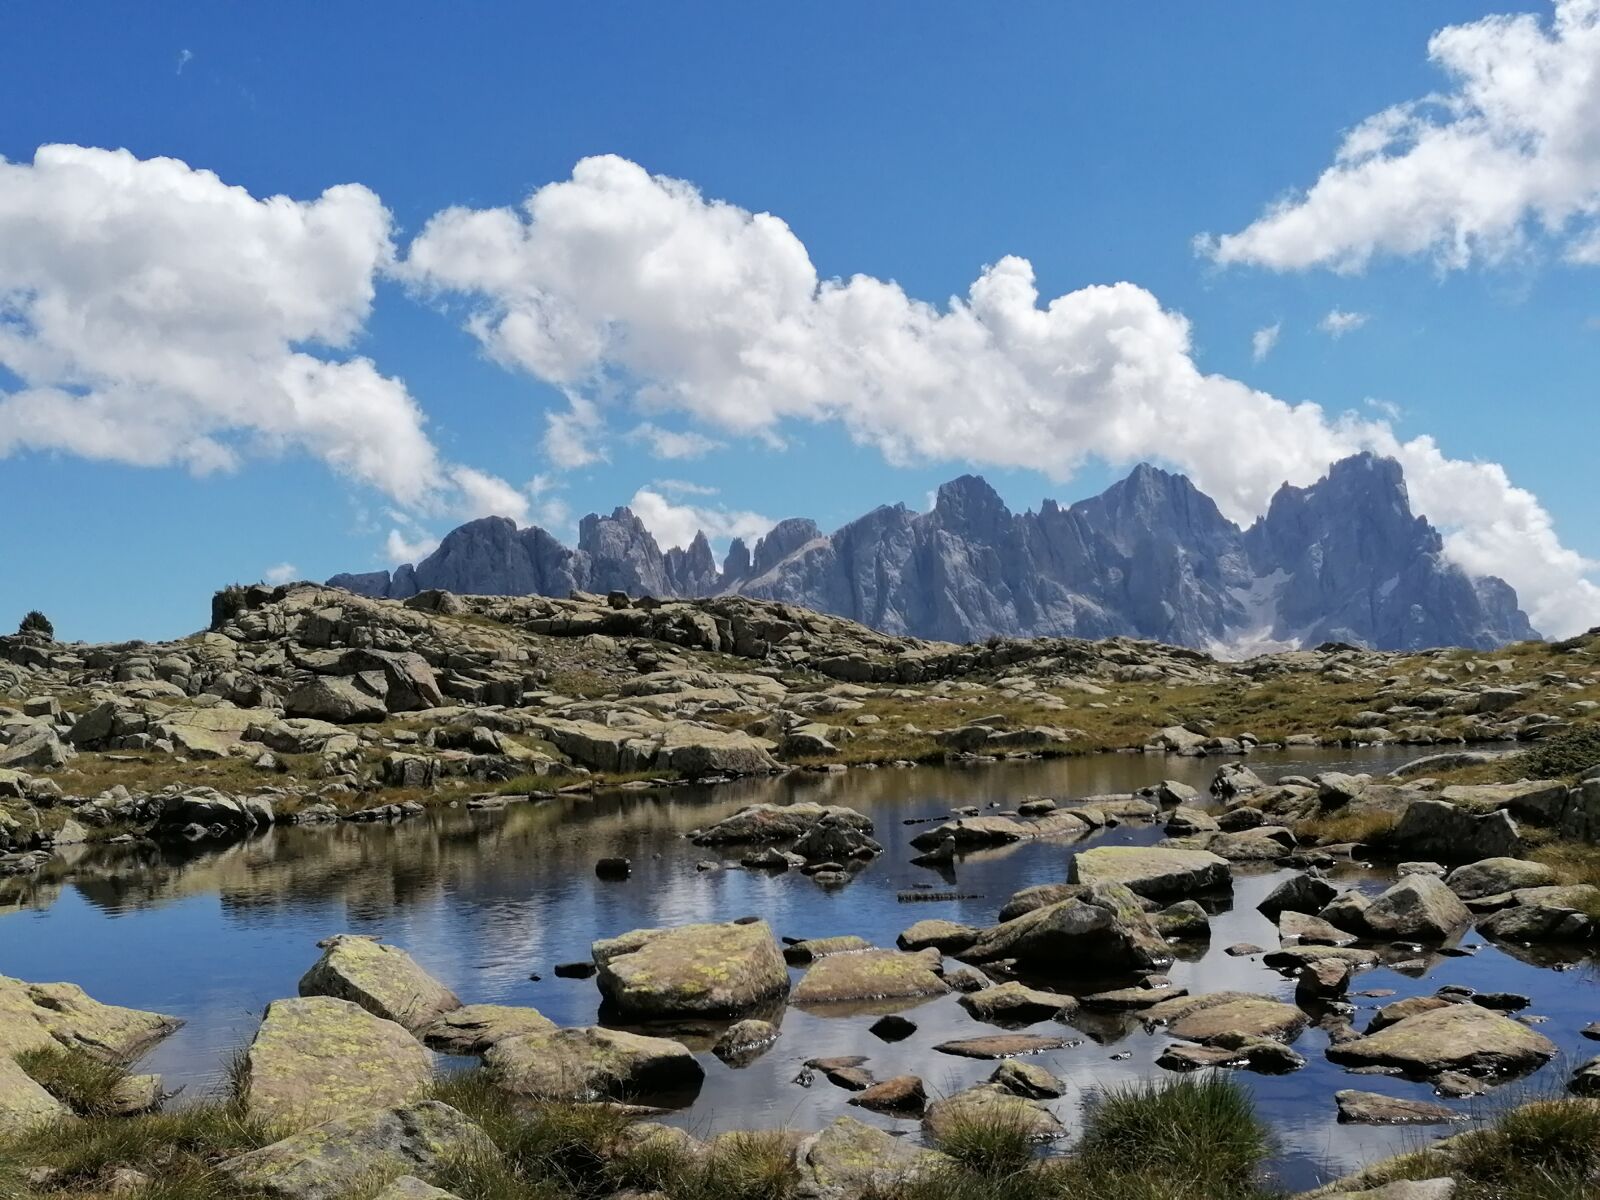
(1336,322)
(673,443)
(676,524)
(632,290)
(484,495)
(156,316)
(284,572)
(1263,340)
(1509,152)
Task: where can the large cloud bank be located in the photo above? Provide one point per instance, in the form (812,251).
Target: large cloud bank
(625,288)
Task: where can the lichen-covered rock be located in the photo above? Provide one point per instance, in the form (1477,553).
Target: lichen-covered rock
(409,1187)
(1212,1018)
(24,1105)
(745,1041)
(1419,908)
(1104,929)
(384,980)
(1493,876)
(36,1015)
(988,1105)
(848,1159)
(947,937)
(691,970)
(1374,1108)
(1016,1004)
(318,1059)
(473,1028)
(1457,1037)
(871,975)
(330,1161)
(1152,870)
(592,1063)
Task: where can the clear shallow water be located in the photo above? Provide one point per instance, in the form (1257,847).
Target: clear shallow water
(483,899)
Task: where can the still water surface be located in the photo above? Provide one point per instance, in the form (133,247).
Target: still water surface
(484,899)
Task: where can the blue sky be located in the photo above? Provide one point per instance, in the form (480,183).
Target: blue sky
(1096,142)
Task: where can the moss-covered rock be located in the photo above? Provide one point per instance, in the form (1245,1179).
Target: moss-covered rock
(593,1064)
(1153,870)
(473,1028)
(384,980)
(849,1159)
(1457,1037)
(691,970)
(871,975)
(23,1103)
(334,1160)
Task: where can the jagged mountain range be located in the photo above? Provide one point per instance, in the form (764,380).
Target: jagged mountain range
(1344,559)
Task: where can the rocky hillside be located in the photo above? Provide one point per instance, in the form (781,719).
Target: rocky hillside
(1151,557)
(303,702)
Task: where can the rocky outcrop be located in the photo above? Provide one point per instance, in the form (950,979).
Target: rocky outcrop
(1341,560)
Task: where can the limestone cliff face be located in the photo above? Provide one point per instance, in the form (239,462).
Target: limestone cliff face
(1342,560)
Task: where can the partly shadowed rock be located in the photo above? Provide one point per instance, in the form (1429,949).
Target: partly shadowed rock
(1457,1037)
(1028,1080)
(903,1095)
(848,1159)
(332,1161)
(1418,908)
(691,970)
(989,1105)
(1494,876)
(1152,870)
(745,1041)
(592,1063)
(1002,1045)
(384,980)
(473,1028)
(1016,1004)
(1103,930)
(871,975)
(1373,1108)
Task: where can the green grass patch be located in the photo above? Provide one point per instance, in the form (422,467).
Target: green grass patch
(1564,755)
(1547,1150)
(89,1086)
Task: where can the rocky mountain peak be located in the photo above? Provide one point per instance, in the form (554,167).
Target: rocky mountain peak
(1342,559)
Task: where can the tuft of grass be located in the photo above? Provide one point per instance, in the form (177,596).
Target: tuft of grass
(85,1084)
(1563,756)
(176,1148)
(1371,827)
(550,1145)
(995,1142)
(1546,1150)
(1194,1137)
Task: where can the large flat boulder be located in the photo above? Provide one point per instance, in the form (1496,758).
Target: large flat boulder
(334,1160)
(384,980)
(1152,870)
(1102,930)
(473,1028)
(871,975)
(1223,1016)
(971,833)
(34,1015)
(1493,876)
(1459,1037)
(1418,908)
(592,1063)
(318,1059)
(691,970)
